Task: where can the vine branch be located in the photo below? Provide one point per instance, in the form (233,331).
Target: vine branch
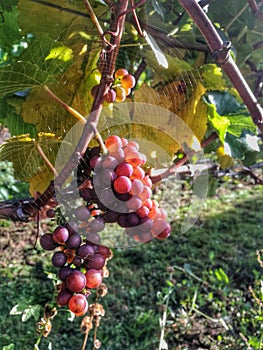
(221,53)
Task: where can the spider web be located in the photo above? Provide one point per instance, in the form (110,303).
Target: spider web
(174,90)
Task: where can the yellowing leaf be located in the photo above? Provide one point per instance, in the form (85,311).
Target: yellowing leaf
(41,180)
(224,159)
(23,153)
(213,77)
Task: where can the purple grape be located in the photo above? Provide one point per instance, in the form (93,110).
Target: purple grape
(63,273)
(132,220)
(74,241)
(146,224)
(122,220)
(47,242)
(96,225)
(76,281)
(111,216)
(59,259)
(96,263)
(82,213)
(63,297)
(86,251)
(93,238)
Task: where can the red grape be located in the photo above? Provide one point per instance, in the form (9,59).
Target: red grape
(113,143)
(93,278)
(76,281)
(78,304)
(97,262)
(120,73)
(124,169)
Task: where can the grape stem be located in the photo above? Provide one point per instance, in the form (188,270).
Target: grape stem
(173,168)
(45,158)
(221,53)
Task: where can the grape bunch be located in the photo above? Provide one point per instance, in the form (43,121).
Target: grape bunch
(81,264)
(121,87)
(116,188)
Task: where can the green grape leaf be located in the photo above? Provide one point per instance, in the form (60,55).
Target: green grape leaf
(219,123)
(212,77)
(49,55)
(240,123)
(225,102)
(237,147)
(22,152)
(13,121)
(9,29)
(22,75)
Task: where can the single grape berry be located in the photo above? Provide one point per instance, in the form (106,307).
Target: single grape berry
(110,96)
(120,94)
(78,304)
(93,278)
(74,241)
(97,262)
(122,184)
(63,297)
(113,143)
(86,251)
(76,281)
(82,213)
(128,81)
(63,272)
(61,234)
(47,242)
(121,72)
(59,259)
(51,213)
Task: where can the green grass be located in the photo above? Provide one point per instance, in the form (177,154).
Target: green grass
(225,238)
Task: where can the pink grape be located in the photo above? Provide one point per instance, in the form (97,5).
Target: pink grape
(122,184)
(124,169)
(60,234)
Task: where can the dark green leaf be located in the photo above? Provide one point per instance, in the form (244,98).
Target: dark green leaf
(225,102)
(9,347)
(236,147)
(22,75)
(7,5)
(9,30)
(158,8)
(240,123)
(15,124)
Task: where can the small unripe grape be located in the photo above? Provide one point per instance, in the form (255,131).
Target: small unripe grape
(121,72)
(120,94)
(128,81)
